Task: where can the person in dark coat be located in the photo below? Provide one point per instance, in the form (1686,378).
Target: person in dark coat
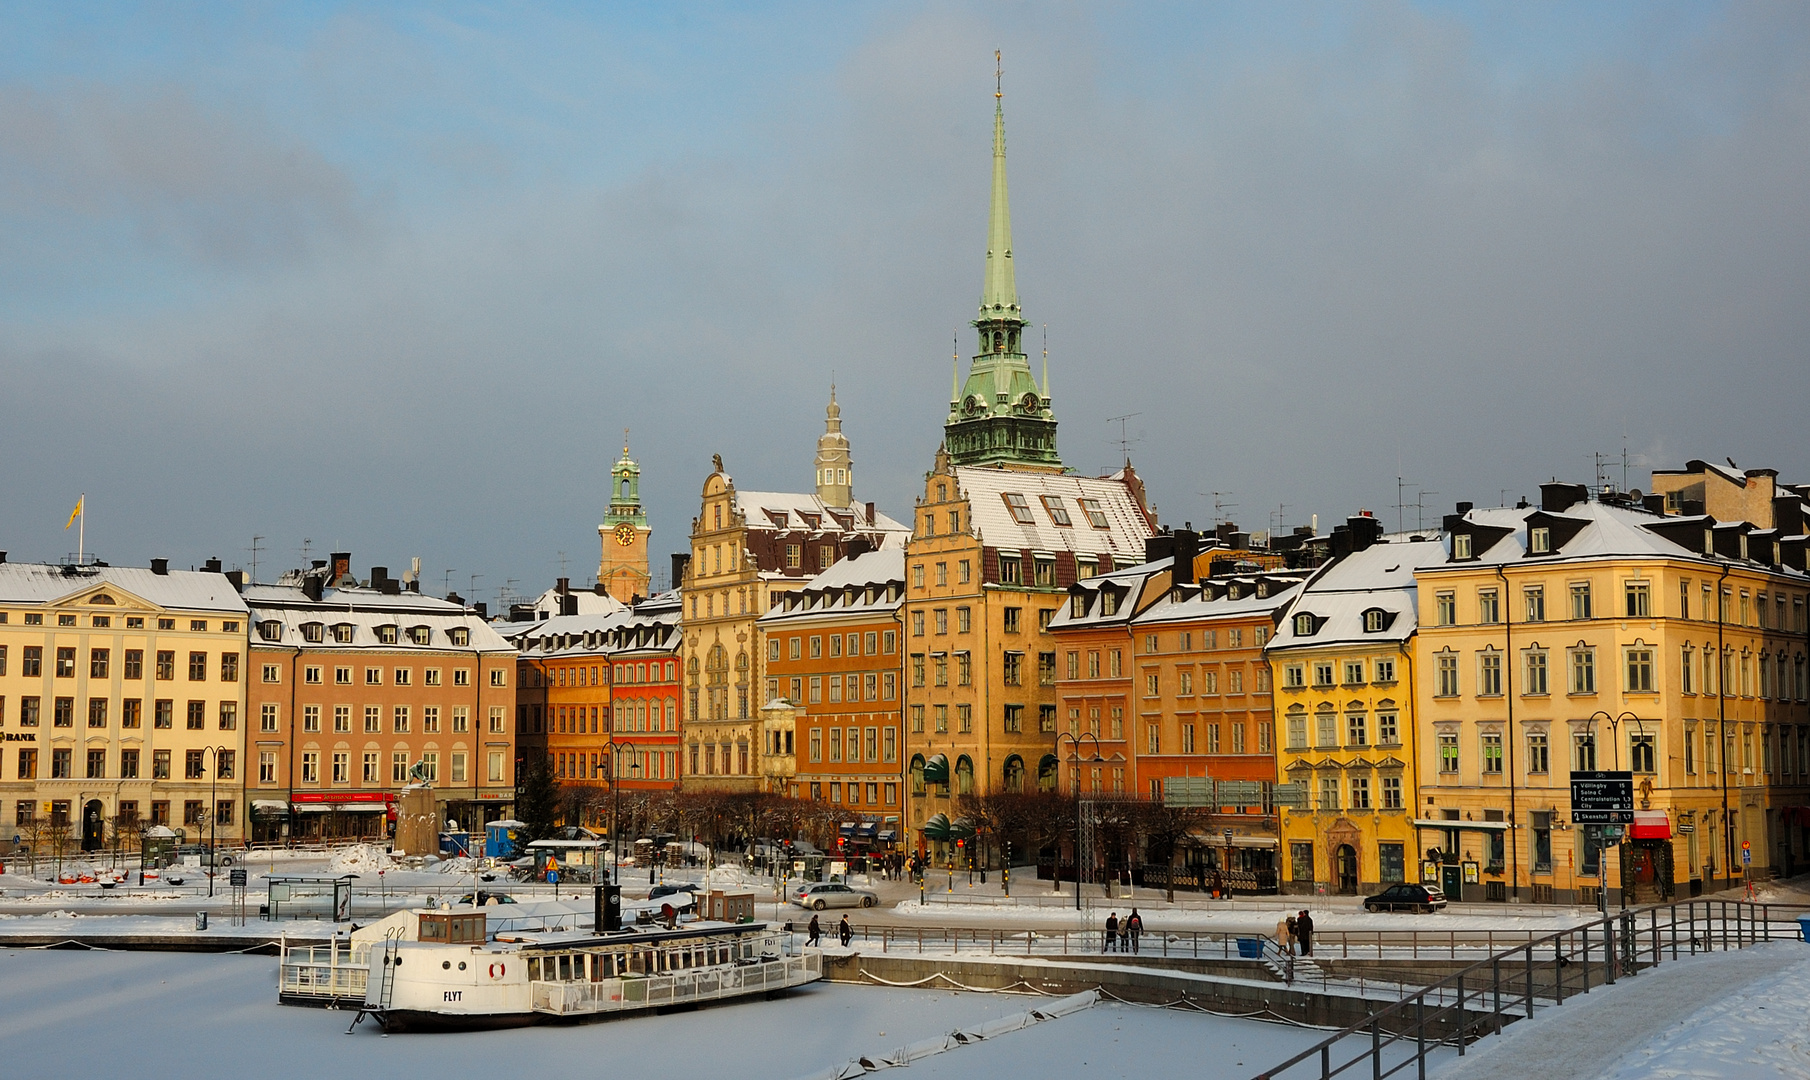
(845,932)
(1304,930)
(813,933)
(1134,928)
(1112,932)
(1294,934)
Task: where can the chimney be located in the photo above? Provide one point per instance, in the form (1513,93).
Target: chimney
(160,567)
(568,603)
(1787,516)
(680,560)
(415,585)
(237,579)
(342,565)
(1655,504)
(1366,530)
(599,590)
(2,556)
(482,609)
(312,586)
(1185,545)
(379,574)
(857,547)
(212,566)
(871,513)
(1160,546)
(389,586)
(1464,508)
(563,586)
(1557,497)
(455,598)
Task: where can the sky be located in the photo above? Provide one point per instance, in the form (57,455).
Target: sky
(394,279)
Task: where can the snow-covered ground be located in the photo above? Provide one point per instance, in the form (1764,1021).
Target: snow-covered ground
(1728,1016)
(177,1016)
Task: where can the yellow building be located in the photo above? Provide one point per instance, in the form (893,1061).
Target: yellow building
(747,549)
(122,703)
(1343,671)
(1602,634)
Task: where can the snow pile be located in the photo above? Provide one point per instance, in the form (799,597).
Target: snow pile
(360,859)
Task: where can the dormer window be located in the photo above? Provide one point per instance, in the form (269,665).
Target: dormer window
(459,636)
(270,630)
(1077,606)
(1539,540)
(1109,602)
(313,632)
(1374,621)
(342,633)
(420,635)
(386,634)
(1304,625)
(1461,546)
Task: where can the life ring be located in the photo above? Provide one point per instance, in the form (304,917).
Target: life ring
(497,970)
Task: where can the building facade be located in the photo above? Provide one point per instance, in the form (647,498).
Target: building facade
(122,703)
(1342,665)
(1606,633)
(357,688)
(834,658)
(622,570)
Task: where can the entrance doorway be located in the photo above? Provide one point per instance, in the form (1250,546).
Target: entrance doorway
(1646,868)
(1451,881)
(93,825)
(1345,869)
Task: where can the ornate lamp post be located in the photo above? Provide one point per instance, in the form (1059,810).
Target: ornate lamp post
(615,804)
(1075,757)
(1601,844)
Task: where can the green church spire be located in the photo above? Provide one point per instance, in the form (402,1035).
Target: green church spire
(1000,416)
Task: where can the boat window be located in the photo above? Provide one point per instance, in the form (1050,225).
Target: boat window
(565,968)
(534,969)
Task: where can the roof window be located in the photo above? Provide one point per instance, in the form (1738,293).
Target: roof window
(1019,506)
(1058,512)
(313,632)
(1095,516)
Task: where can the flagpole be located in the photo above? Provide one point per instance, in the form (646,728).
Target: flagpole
(81,531)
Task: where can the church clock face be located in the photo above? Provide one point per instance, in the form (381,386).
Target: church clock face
(625,534)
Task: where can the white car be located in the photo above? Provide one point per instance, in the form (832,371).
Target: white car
(829,894)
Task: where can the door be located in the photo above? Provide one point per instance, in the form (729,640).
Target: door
(1345,869)
(1451,881)
(93,825)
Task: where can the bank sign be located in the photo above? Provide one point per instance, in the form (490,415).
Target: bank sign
(1602,798)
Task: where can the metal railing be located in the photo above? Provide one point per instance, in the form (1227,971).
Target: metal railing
(333,972)
(607,995)
(1485,997)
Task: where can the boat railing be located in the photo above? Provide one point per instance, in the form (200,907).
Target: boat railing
(328,972)
(703,984)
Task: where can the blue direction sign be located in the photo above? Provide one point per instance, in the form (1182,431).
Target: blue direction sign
(1602,798)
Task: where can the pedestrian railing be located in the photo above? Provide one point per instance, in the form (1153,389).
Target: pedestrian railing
(1486,996)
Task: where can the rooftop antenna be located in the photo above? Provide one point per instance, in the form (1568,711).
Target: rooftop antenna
(1624,455)
(446,582)
(562,564)
(1220,506)
(413,573)
(1281,523)
(1420,506)
(1602,479)
(955,369)
(474,584)
(1125,440)
(1046,360)
(307,544)
(256,546)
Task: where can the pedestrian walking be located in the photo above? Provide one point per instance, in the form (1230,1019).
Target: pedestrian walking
(1285,936)
(1134,925)
(1294,933)
(1304,929)
(813,933)
(846,932)
(1112,932)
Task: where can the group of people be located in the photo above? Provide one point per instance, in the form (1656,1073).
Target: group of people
(1296,930)
(814,932)
(1123,935)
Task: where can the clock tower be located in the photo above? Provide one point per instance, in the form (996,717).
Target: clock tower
(623,569)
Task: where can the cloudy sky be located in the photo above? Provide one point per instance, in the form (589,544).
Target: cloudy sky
(394,279)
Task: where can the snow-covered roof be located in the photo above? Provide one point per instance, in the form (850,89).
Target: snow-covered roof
(589,602)
(1380,578)
(1602,530)
(651,628)
(1122,534)
(1129,582)
(780,511)
(279,612)
(872,582)
(1232,598)
(185,590)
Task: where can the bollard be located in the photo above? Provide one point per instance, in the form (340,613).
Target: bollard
(200,920)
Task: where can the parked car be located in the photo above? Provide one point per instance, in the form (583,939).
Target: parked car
(828,894)
(482,898)
(1422,898)
(668,889)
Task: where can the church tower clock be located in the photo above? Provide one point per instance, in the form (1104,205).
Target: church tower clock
(623,568)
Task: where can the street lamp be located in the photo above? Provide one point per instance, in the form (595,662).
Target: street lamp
(213,816)
(1075,741)
(615,804)
(1615,737)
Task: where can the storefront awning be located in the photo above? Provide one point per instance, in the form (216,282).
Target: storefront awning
(936,770)
(1651,825)
(269,806)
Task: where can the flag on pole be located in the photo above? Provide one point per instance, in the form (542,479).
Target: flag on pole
(77,512)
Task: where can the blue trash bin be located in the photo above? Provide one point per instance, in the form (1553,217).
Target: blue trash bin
(1803,927)
(1250,948)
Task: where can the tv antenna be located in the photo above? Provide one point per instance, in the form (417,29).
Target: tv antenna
(1125,439)
(446,582)
(1279,522)
(1220,506)
(256,546)
(1420,506)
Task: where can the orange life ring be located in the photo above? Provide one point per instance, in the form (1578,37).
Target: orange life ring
(497,970)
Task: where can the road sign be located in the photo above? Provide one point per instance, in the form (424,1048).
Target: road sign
(236,877)
(1602,798)
(1291,795)
(1187,791)
(1746,854)
(1240,793)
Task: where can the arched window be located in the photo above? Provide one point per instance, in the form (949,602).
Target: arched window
(1046,773)
(917,774)
(964,776)
(1014,774)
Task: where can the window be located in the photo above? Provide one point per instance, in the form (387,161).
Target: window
(1492,752)
(1641,753)
(1011,570)
(1388,728)
(1580,600)
(1461,546)
(1489,674)
(402,677)
(1329,793)
(1446,666)
(1373,622)
(1583,751)
(498,677)
(1019,507)
(1095,516)
(1357,730)
(1012,668)
(1014,717)
(1448,754)
(1360,793)
(1583,671)
(1058,513)
(1445,606)
(1539,540)
(197,716)
(1327,733)
(1384,669)
(1489,609)
(1639,670)
(1533,673)
(1304,625)
(1294,677)
(1533,605)
(1323,673)
(1639,599)
(1354,673)
(1297,731)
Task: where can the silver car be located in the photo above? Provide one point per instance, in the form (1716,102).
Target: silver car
(829,894)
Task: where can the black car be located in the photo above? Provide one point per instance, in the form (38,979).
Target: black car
(668,888)
(1422,898)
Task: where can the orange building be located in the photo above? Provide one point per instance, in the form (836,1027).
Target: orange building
(644,661)
(835,701)
(354,686)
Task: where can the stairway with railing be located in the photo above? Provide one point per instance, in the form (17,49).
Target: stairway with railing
(1485,997)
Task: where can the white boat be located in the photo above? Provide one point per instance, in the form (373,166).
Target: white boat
(446,969)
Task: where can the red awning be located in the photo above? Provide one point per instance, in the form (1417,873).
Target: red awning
(1651,825)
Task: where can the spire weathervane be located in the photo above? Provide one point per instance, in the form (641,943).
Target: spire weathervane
(999,76)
